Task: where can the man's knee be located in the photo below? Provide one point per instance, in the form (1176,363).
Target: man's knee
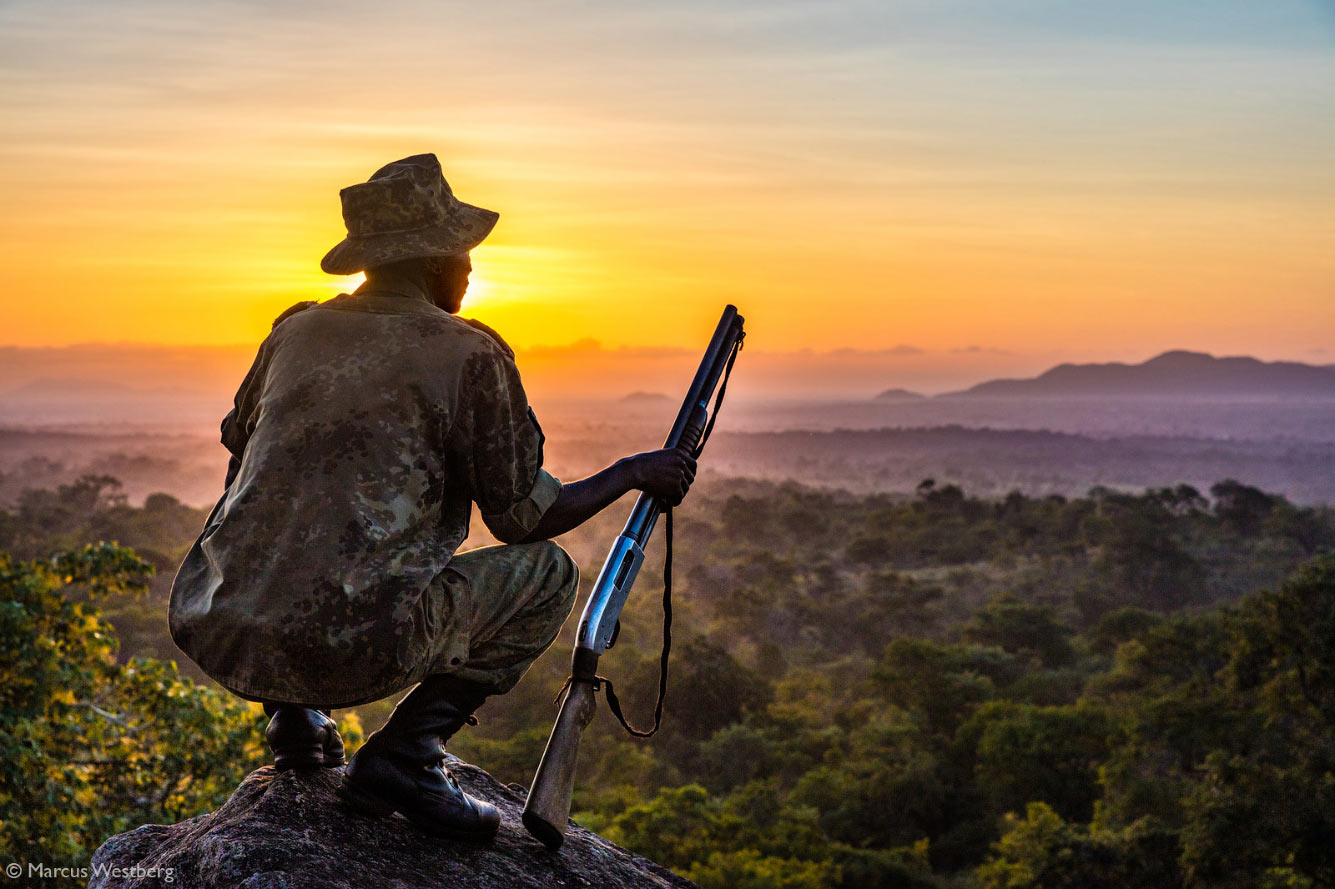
(530,578)
(556,576)
(563,575)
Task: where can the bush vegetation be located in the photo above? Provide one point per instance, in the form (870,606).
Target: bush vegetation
(1122,690)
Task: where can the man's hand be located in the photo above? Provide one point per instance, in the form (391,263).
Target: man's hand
(665,474)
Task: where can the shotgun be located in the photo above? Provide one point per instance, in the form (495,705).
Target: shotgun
(547,809)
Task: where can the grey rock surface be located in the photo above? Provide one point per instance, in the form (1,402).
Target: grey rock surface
(288,830)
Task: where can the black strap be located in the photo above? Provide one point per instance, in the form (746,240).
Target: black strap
(613,704)
(718,399)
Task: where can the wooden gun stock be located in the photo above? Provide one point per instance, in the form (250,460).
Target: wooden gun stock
(548,807)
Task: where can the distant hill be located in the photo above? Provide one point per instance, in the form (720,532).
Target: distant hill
(900,395)
(1172,373)
(644,398)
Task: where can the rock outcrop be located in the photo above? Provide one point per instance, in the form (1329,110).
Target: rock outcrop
(288,830)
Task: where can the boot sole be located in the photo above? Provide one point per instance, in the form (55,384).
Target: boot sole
(374,805)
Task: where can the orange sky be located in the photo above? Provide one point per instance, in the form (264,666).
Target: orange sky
(1047,181)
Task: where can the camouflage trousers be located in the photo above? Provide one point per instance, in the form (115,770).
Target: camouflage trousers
(501,607)
(488,616)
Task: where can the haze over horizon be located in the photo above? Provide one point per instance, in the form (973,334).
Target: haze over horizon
(975,189)
(583,369)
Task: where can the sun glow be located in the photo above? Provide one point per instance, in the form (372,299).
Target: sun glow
(481,290)
(343,284)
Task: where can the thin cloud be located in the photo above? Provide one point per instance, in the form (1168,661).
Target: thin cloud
(901,350)
(981,350)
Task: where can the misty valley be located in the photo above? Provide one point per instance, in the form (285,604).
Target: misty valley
(944,643)
(991,446)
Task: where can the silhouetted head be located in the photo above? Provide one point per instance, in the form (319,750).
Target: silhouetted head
(444,279)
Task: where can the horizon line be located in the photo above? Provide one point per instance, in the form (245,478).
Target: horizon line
(589,344)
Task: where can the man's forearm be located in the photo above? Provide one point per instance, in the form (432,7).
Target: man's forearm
(580,501)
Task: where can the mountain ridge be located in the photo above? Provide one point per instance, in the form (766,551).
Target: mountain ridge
(1176,372)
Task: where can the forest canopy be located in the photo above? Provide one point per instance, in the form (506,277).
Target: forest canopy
(1121,690)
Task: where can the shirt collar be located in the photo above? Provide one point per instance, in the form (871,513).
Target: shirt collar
(394,287)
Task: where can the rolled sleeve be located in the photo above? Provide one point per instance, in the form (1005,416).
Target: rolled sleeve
(522,517)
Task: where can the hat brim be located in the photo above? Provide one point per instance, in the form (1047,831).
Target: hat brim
(468,226)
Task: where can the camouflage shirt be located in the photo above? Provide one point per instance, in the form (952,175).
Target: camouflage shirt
(359,438)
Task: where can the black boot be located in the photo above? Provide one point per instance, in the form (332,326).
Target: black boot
(302,738)
(401,767)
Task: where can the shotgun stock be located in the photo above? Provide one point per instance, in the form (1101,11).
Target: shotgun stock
(547,809)
(548,806)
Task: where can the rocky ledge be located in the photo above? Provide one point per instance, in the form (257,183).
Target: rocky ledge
(288,830)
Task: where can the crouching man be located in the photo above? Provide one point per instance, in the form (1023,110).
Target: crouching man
(327,574)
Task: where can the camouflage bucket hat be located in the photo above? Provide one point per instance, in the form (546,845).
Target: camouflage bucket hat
(405,211)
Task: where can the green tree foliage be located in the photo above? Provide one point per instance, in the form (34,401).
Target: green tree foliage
(1143,558)
(1024,629)
(881,692)
(878,786)
(942,684)
(1120,626)
(748,869)
(1042,851)
(1242,508)
(1174,712)
(1263,804)
(1046,754)
(90,747)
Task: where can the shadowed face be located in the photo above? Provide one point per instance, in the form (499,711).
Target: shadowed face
(449,281)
